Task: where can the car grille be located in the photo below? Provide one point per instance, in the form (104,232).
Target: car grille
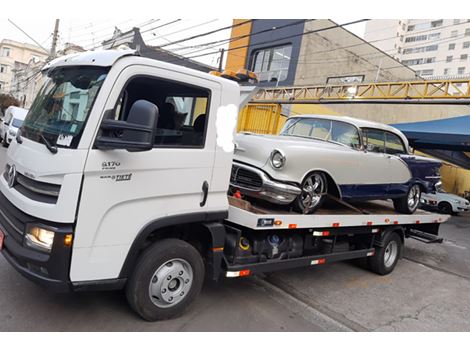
(35,190)
(245,178)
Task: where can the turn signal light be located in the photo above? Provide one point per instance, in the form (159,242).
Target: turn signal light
(68,239)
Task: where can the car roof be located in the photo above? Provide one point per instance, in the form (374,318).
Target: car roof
(359,123)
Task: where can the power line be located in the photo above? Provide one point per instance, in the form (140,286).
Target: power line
(113,26)
(183,30)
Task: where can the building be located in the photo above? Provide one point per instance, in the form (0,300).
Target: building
(19,65)
(133,39)
(434,48)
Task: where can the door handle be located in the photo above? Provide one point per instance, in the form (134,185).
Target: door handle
(205,191)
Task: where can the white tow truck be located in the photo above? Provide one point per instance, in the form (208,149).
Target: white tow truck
(119,177)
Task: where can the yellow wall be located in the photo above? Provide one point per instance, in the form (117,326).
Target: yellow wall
(455,179)
(236,58)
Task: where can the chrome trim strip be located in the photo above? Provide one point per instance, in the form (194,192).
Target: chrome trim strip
(35,189)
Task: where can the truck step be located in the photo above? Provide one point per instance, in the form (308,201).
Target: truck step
(424,236)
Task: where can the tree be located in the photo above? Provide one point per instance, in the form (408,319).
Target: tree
(6,101)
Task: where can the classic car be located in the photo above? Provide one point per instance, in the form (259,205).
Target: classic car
(315,156)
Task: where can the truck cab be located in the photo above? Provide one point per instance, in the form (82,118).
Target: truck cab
(114,147)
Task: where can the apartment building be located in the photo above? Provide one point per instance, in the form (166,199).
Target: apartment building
(434,48)
(17,62)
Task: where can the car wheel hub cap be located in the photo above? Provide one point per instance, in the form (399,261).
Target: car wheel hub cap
(413,197)
(170,283)
(312,191)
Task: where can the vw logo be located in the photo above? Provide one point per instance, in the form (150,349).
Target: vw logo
(11,176)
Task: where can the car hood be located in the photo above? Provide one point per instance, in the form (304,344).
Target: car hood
(255,149)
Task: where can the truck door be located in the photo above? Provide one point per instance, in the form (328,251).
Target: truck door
(124,191)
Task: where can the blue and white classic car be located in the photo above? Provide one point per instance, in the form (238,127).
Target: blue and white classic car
(317,155)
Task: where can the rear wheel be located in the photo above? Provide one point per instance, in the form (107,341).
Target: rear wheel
(166,280)
(409,203)
(313,187)
(386,257)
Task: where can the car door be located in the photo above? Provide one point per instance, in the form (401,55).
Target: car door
(383,169)
(125,191)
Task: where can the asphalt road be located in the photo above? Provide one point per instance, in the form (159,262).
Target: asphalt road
(428,291)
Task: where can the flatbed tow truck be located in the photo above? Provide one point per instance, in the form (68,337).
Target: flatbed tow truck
(101,192)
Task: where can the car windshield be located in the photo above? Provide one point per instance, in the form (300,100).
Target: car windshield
(324,129)
(17,123)
(61,108)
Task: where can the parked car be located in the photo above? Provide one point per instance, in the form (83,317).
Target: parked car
(447,203)
(346,157)
(13,119)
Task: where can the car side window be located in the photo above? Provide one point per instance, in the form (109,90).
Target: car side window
(374,140)
(182,110)
(394,144)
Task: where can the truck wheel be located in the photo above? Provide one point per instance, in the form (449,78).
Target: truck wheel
(313,188)
(409,203)
(166,280)
(386,257)
(5,142)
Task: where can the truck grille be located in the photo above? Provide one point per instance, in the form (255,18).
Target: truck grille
(35,190)
(245,178)
(12,220)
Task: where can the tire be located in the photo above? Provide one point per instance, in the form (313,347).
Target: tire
(5,142)
(318,184)
(409,203)
(386,257)
(445,207)
(165,272)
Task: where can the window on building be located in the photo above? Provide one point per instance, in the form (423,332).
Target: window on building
(434,36)
(429,60)
(272,64)
(3,68)
(35,58)
(452,46)
(446,71)
(428,72)
(449,58)
(456,22)
(437,23)
(421,49)
(463,57)
(467,32)
(411,28)
(466,45)
(6,51)
(1,85)
(454,33)
(461,70)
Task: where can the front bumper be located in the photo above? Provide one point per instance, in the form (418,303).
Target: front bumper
(50,270)
(261,185)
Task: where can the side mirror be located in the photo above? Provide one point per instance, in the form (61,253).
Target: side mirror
(137,133)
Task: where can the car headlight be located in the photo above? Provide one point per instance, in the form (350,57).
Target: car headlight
(277,159)
(12,133)
(39,238)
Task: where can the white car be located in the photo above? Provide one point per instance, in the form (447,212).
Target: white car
(12,121)
(447,203)
(345,157)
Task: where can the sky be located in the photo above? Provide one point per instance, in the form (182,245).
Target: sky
(91,32)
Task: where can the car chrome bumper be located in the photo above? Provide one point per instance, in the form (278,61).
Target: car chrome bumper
(261,185)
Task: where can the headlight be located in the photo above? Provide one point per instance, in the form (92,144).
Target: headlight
(277,159)
(39,238)
(12,133)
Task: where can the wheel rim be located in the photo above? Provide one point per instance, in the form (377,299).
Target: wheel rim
(171,283)
(312,189)
(414,196)
(391,252)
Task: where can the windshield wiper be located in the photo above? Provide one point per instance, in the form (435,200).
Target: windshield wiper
(49,146)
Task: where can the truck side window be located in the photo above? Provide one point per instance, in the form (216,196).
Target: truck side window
(182,110)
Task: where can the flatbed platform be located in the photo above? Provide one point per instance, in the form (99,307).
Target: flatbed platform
(373,213)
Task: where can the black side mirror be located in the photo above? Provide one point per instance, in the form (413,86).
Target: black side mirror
(137,133)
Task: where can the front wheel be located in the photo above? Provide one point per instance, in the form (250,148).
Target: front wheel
(409,203)
(386,257)
(445,208)
(313,187)
(166,280)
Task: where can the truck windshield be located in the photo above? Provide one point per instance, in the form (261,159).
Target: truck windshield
(62,106)
(17,123)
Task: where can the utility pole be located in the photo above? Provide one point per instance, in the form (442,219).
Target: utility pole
(55,37)
(221,59)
